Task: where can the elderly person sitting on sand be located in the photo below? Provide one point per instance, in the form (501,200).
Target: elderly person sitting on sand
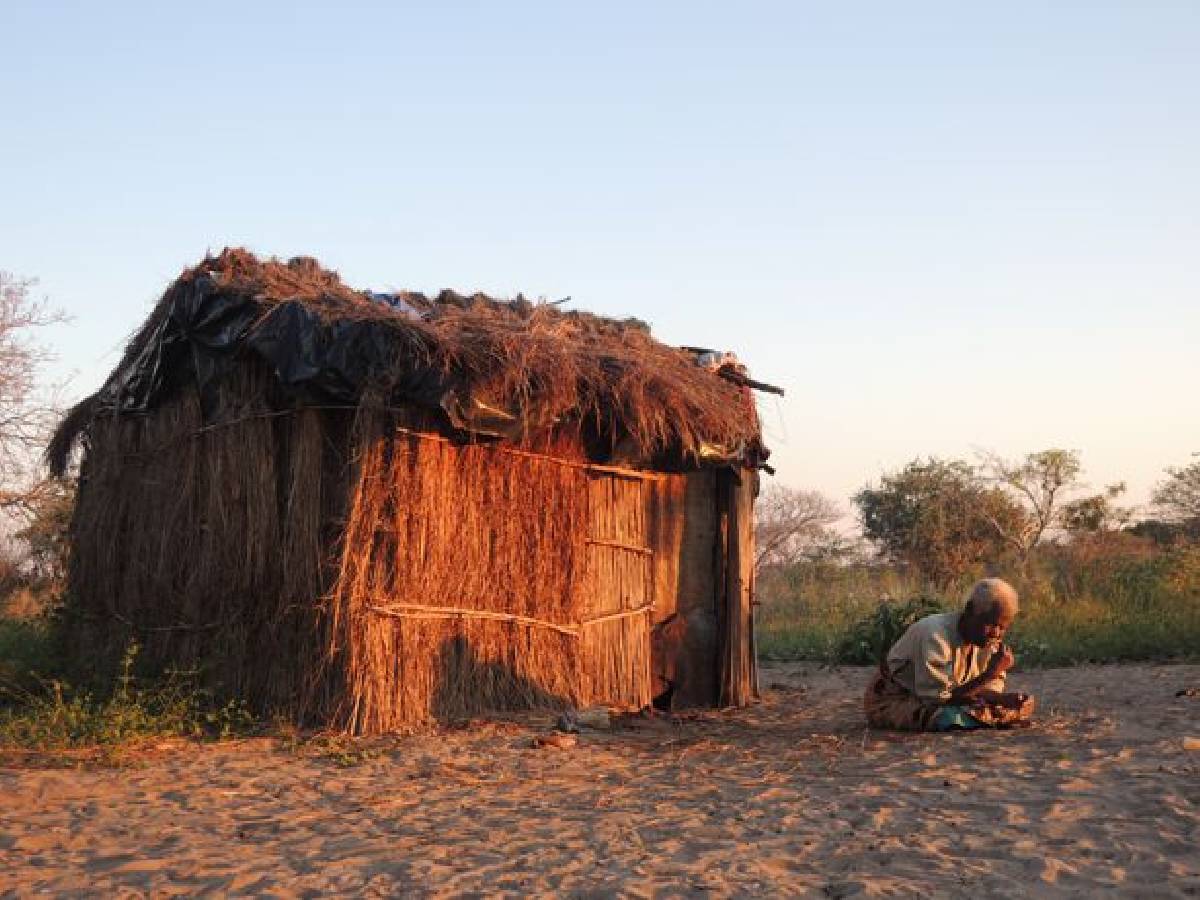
(947,671)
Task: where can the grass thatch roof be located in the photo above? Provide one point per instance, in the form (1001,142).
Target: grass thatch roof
(505,368)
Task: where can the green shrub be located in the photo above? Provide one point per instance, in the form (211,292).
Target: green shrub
(55,716)
(870,638)
(28,653)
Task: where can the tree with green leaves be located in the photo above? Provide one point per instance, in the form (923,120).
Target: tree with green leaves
(1097,514)
(1177,498)
(940,518)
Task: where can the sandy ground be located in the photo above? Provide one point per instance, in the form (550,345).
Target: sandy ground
(792,797)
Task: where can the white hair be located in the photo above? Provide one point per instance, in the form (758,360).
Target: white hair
(990,595)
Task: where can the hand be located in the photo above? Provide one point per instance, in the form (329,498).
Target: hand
(1012,701)
(1002,660)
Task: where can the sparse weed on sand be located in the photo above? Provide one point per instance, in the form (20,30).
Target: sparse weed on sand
(52,715)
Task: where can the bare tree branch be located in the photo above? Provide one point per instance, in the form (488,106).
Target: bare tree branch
(25,411)
(1039,482)
(788,522)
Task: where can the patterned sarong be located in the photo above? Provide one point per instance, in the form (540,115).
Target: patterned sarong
(889,704)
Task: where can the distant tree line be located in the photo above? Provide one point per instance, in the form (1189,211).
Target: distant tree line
(942,519)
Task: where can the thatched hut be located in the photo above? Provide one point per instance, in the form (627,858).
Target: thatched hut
(370,510)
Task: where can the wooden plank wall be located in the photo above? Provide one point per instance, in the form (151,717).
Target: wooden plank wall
(738,667)
(684,535)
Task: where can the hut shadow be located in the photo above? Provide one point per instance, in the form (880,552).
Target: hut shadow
(468,686)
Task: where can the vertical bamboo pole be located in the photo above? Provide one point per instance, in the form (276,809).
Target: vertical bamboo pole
(736,685)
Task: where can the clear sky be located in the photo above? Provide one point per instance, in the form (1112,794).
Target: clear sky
(940,226)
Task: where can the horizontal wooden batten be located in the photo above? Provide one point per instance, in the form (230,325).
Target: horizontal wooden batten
(623,614)
(617,545)
(420,611)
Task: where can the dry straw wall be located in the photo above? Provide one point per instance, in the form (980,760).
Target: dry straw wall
(345,567)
